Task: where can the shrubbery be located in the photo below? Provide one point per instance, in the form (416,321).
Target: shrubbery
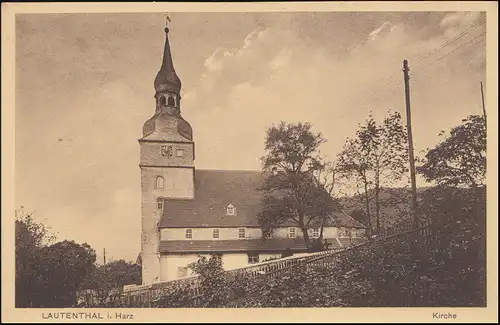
(397,273)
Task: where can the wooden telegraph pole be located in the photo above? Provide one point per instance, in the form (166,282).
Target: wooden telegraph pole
(410,145)
(482,100)
(104,253)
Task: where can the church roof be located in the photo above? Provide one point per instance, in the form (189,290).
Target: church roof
(214,191)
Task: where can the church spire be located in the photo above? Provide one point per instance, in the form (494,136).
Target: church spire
(167,123)
(166,80)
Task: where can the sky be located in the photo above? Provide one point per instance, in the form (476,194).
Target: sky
(84,88)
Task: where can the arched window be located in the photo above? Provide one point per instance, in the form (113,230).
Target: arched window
(171,101)
(159,182)
(162,101)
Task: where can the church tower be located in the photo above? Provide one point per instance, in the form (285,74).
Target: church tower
(166,161)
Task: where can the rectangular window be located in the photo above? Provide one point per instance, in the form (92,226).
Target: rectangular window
(189,233)
(179,153)
(253,258)
(315,233)
(182,272)
(241,233)
(216,233)
(159,204)
(291,232)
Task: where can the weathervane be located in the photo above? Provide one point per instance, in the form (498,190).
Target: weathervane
(167,18)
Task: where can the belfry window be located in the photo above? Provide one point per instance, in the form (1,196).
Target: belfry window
(162,101)
(171,101)
(160,182)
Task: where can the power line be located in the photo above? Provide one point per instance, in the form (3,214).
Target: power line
(450,41)
(419,69)
(396,73)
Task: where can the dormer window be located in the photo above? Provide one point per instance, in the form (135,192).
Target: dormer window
(230,210)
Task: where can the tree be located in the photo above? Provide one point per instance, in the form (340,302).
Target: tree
(212,280)
(460,158)
(30,237)
(110,279)
(63,266)
(377,157)
(292,192)
(47,275)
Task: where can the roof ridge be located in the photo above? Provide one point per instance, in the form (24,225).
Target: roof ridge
(356,221)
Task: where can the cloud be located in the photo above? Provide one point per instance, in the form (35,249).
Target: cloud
(282,59)
(457,22)
(385,28)
(212,63)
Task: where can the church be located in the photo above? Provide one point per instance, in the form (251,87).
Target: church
(188,212)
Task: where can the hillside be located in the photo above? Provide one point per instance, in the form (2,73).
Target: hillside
(395,205)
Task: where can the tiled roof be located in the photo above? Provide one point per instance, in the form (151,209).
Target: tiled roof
(214,191)
(271,244)
(345,220)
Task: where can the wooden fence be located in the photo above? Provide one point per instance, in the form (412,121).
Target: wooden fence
(145,295)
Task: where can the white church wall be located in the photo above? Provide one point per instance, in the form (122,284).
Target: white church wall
(328,232)
(170,263)
(207,233)
(251,233)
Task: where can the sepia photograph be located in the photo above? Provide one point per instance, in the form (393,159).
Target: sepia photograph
(284,159)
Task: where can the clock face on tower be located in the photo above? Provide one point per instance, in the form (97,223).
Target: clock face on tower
(166,151)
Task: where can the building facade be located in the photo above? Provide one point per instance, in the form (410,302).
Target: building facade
(188,212)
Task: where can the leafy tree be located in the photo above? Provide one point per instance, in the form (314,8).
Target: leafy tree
(63,266)
(352,162)
(212,280)
(110,279)
(47,275)
(460,158)
(377,157)
(30,237)
(292,192)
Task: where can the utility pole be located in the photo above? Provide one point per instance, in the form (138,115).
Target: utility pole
(410,145)
(482,100)
(104,256)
